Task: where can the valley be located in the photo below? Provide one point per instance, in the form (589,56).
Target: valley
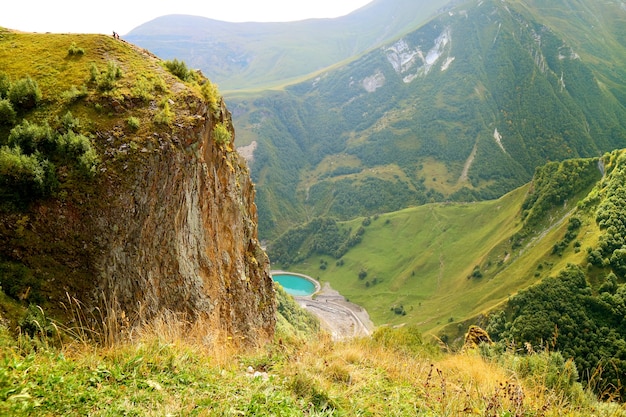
(435,165)
(406,177)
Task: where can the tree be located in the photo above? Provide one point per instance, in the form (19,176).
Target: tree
(618,262)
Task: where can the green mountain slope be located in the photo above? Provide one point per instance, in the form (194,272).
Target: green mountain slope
(444,263)
(542,267)
(240,56)
(463,109)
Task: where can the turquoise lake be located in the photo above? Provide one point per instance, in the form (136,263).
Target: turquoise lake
(294,285)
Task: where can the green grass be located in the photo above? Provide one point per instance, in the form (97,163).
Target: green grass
(46,59)
(421,258)
(438,176)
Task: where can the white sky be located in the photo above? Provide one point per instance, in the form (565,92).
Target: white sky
(105,16)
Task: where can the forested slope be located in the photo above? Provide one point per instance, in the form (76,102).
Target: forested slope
(580,310)
(464,108)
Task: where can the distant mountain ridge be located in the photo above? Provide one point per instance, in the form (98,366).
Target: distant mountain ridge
(463,108)
(249,55)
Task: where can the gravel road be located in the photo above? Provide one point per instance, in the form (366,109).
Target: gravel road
(341,318)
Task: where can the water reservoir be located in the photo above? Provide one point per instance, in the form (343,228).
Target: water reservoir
(295,284)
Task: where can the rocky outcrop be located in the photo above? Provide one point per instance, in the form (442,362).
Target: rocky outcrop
(474,337)
(185,237)
(170,225)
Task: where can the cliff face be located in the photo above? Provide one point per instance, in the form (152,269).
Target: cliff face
(167,224)
(180,234)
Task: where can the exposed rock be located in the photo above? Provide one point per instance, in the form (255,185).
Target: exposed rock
(248,151)
(474,337)
(251,373)
(374,82)
(187,239)
(411,62)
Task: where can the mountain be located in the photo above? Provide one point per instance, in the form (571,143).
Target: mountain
(123,198)
(240,56)
(463,108)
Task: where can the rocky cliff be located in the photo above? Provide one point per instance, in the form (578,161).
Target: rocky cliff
(167,224)
(182,235)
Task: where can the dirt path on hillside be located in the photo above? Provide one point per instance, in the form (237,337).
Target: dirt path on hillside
(535,240)
(341,318)
(468,164)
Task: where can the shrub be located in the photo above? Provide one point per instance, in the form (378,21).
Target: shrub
(5,85)
(18,282)
(63,145)
(179,69)
(74,50)
(30,136)
(398,310)
(74,94)
(550,370)
(7,113)
(36,323)
(93,72)
(25,174)
(211,95)
(133,123)
(618,262)
(105,80)
(594,257)
(69,122)
(25,93)
(221,134)
(165,116)
(142,90)
(88,161)
(73,145)
(476,272)
(158,84)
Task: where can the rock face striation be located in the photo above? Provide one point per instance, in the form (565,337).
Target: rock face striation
(168,224)
(180,235)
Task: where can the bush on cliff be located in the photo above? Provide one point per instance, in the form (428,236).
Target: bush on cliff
(25,93)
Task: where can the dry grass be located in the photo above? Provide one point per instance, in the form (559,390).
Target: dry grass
(171,365)
(362,376)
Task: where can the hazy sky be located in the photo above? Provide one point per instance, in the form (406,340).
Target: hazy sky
(105,16)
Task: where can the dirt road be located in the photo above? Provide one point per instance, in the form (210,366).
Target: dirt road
(341,318)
